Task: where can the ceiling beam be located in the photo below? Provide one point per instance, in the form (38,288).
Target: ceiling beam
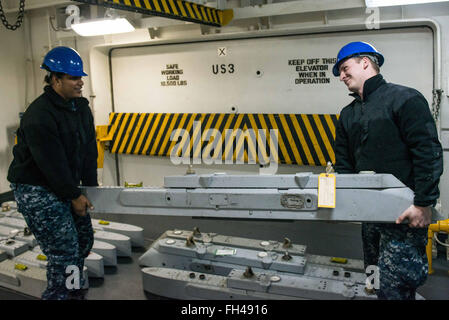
(34,4)
(270,10)
(295,7)
(178,10)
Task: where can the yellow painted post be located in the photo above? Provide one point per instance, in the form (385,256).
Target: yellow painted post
(429,249)
(440,226)
(102,138)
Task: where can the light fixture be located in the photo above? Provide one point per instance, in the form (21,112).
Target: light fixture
(102,27)
(387,3)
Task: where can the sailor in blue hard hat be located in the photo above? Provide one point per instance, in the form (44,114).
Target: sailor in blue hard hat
(357,62)
(388,129)
(55,153)
(65,69)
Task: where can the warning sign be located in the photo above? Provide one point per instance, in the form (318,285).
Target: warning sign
(312,70)
(173,74)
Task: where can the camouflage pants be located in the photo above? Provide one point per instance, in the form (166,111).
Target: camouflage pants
(64,237)
(400,253)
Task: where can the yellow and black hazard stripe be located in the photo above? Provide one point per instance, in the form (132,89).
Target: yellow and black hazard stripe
(303,139)
(175,9)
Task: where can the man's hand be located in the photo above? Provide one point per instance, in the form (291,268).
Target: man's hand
(80,204)
(418,217)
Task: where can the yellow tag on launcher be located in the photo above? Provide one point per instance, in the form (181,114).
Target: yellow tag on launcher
(326,190)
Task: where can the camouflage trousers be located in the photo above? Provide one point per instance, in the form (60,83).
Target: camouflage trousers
(400,253)
(64,237)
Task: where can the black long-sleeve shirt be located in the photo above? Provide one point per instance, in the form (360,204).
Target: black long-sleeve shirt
(56,146)
(391,131)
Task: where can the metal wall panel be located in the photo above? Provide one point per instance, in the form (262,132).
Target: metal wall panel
(289,74)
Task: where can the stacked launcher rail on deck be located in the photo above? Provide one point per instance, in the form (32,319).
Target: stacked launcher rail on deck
(23,264)
(193,265)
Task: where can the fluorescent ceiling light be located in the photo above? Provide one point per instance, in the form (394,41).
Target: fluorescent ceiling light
(102,27)
(387,3)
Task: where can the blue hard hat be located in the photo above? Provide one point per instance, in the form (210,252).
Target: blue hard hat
(355,49)
(65,60)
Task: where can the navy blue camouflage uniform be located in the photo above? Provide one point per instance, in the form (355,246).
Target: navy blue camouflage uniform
(400,253)
(392,131)
(64,237)
(55,153)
